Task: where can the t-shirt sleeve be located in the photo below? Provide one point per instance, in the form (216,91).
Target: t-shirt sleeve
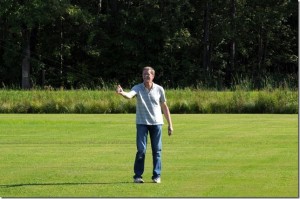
(162,96)
(134,90)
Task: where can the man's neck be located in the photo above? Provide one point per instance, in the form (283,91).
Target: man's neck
(148,85)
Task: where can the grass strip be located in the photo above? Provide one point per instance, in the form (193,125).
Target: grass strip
(220,155)
(179,101)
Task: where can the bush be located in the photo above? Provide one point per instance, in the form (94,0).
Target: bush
(179,101)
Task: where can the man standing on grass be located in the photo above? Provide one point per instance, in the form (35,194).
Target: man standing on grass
(151,102)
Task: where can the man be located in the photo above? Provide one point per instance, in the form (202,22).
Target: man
(151,102)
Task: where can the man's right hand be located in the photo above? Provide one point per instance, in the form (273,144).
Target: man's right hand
(119,89)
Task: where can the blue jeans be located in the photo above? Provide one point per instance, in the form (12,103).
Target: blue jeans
(155,132)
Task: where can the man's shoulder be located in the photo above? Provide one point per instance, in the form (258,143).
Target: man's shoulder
(159,87)
(137,87)
(141,87)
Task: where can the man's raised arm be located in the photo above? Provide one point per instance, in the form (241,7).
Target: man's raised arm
(127,95)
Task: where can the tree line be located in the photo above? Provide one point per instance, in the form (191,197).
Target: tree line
(190,43)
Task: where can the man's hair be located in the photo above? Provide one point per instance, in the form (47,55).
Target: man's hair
(149,68)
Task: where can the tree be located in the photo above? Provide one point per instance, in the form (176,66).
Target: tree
(206,42)
(265,38)
(229,78)
(215,44)
(24,18)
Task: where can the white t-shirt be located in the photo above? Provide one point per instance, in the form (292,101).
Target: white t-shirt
(148,109)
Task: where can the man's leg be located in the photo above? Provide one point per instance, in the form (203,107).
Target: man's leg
(141,144)
(156,144)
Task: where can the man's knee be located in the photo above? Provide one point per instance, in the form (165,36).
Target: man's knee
(140,154)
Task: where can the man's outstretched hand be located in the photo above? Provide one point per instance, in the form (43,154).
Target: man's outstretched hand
(119,89)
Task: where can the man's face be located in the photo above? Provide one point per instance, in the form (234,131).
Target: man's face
(148,76)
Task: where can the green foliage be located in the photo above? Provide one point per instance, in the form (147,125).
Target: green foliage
(179,101)
(71,155)
(81,43)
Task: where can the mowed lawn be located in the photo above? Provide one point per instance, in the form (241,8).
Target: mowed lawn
(209,155)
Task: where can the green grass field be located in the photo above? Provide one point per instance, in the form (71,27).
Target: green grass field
(219,155)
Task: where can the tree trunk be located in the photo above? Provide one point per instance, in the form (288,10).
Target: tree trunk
(99,7)
(206,46)
(260,59)
(231,65)
(26,59)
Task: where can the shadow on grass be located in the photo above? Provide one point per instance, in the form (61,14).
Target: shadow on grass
(63,184)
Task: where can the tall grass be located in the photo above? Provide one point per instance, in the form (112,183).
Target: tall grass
(239,101)
(179,101)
